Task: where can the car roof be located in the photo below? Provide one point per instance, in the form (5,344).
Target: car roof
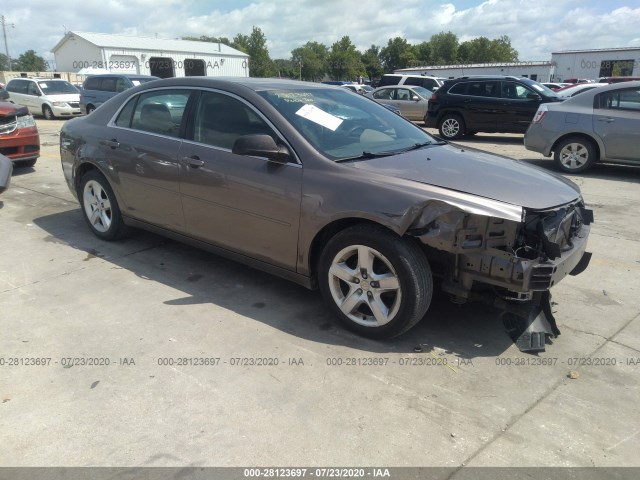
(252,83)
(585,99)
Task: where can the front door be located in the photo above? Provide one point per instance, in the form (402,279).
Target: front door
(249,205)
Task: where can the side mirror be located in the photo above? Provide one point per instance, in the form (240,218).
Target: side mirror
(261,146)
(533,96)
(415,98)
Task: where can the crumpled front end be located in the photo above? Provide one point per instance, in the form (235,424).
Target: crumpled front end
(507,263)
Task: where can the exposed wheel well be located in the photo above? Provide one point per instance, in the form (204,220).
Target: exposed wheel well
(82,169)
(579,135)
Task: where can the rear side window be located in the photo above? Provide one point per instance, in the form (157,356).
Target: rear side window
(627,99)
(389,80)
(459,88)
(92,83)
(483,89)
(108,84)
(17,86)
(158,112)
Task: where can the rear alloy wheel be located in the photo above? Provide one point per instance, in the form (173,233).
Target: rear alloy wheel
(575,154)
(451,127)
(377,283)
(48,113)
(100,206)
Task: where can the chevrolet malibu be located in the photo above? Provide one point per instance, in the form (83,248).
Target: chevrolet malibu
(328,189)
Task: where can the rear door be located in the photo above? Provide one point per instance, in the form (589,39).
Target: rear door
(249,205)
(518,104)
(616,119)
(142,147)
(481,105)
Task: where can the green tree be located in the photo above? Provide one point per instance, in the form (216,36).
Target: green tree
(444,48)
(503,51)
(241,42)
(397,54)
(285,68)
(4,62)
(260,63)
(344,60)
(310,61)
(484,50)
(371,62)
(422,52)
(29,61)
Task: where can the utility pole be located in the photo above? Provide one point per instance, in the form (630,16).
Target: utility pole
(4,33)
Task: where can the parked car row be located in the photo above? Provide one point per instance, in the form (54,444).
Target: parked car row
(57,98)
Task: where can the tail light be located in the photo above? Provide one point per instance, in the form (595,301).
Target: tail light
(433,97)
(542,110)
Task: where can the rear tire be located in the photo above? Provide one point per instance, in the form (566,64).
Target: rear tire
(377,283)
(48,113)
(90,108)
(575,154)
(451,127)
(100,207)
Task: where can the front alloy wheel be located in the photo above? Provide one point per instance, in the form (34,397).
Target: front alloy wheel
(377,283)
(365,286)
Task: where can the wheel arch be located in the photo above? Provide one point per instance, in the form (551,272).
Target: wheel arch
(327,232)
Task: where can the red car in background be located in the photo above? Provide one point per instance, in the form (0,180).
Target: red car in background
(19,138)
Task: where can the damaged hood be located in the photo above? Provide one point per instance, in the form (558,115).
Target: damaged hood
(477,173)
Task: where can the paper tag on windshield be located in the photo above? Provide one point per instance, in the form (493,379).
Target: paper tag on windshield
(313,113)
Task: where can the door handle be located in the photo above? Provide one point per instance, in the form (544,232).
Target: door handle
(606,119)
(193,161)
(113,143)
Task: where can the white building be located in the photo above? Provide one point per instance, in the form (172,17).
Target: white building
(596,63)
(148,56)
(539,71)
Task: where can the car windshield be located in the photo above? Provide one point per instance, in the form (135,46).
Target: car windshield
(341,125)
(423,92)
(540,88)
(57,87)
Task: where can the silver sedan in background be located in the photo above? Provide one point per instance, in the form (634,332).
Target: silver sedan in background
(602,124)
(412,101)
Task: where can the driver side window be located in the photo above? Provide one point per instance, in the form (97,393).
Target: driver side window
(221,119)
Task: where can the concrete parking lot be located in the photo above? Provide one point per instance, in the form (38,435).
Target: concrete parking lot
(147,352)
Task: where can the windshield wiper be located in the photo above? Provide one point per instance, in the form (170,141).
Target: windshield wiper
(364,156)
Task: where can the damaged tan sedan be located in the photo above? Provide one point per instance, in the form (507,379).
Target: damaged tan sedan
(332,191)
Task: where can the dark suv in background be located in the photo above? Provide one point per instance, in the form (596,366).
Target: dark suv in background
(467,105)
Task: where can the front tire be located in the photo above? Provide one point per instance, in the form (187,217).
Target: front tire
(575,154)
(378,284)
(100,207)
(451,127)
(48,113)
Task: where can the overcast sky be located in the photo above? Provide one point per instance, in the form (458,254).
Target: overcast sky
(536,27)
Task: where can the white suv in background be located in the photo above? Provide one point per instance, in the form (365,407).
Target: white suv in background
(50,97)
(424,81)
